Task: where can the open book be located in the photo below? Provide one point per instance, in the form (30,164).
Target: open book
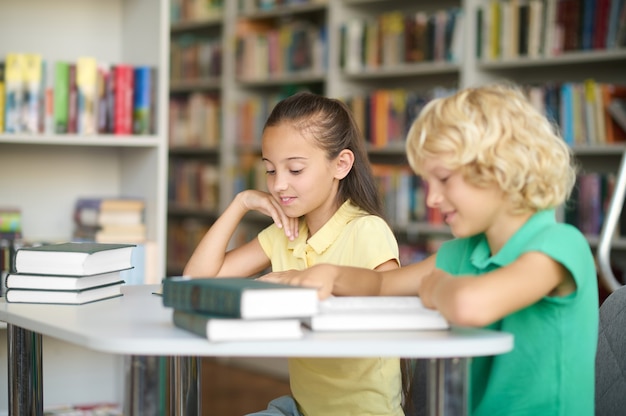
(372,313)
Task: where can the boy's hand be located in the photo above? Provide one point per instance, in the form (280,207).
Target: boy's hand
(263,202)
(314,276)
(428,287)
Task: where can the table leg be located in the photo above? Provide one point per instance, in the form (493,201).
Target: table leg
(24,364)
(448,387)
(185,386)
(143,387)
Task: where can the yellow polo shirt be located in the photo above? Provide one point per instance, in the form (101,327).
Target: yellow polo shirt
(329,386)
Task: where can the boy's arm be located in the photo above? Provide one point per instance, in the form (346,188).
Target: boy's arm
(481,300)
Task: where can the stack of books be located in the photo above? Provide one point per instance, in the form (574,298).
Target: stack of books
(110,220)
(68,273)
(239,309)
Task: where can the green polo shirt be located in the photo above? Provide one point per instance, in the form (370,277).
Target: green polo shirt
(340,386)
(551,368)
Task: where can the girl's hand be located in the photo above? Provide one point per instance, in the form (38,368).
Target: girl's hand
(427,290)
(265,203)
(314,276)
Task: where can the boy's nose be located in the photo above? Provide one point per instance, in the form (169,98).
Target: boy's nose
(433,198)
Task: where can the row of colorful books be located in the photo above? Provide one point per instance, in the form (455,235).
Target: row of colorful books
(195,120)
(397,38)
(265,49)
(193,184)
(533,28)
(82,97)
(240,309)
(195,10)
(195,57)
(68,273)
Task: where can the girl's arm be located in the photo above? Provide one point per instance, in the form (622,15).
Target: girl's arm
(481,300)
(356,281)
(211,259)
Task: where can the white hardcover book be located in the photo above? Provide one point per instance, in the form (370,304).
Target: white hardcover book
(375,313)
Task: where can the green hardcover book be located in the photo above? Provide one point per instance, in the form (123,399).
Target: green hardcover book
(239,297)
(219,328)
(61,96)
(73,259)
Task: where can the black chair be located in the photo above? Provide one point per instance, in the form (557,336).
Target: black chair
(611,356)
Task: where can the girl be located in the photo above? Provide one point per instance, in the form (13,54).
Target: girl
(496,170)
(324,204)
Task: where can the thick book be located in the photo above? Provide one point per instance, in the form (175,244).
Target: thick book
(375,313)
(220,328)
(69,297)
(61,282)
(73,259)
(239,297)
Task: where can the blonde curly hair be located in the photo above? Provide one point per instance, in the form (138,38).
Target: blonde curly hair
(494,135)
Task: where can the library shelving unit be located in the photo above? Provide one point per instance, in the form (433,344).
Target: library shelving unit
(252,76)
(44,174)
(195,135)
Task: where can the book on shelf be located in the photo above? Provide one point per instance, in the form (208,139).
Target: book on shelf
(61,282)
(32,76)
(142,99)
(69,297)
(109,219)
(220,328)
(14,91)
(2,65)
(124,81)
(375,313)
(72,99)
(61,96)
(86,88)
(10,223)
(239,297)
(73,258)
(617,109)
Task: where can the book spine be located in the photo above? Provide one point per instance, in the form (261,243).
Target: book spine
(2,92)
(14,86)
(142,99)
(61,96)
(190,322)
(72,112)
(189,297)
(123,106)
(32,89)
(86,83)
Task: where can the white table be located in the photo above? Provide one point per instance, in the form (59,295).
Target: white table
(137,325)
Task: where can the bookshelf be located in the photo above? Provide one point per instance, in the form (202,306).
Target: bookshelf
(462,66)
(44,173)
(195,137)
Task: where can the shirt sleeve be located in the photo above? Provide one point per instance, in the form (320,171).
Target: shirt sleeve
(568,246)
(373,241)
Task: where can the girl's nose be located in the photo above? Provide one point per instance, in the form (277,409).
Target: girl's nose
(280,182)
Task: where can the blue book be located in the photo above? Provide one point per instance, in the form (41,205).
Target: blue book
(142,98)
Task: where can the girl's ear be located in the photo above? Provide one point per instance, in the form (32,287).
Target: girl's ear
(343,163)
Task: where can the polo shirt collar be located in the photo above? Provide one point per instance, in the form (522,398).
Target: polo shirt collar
(329,232)
(481,255)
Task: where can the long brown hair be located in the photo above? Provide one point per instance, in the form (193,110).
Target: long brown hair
(330,122)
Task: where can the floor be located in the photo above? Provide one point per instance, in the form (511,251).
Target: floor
(232,391)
